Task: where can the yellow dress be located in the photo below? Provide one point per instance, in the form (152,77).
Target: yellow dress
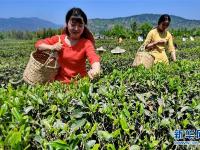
(159,52)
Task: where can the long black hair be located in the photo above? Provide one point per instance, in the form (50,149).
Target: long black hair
(80,17)
(164,17)
(76,12)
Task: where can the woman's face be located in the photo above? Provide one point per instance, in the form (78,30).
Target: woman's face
(75,28)
(163,25)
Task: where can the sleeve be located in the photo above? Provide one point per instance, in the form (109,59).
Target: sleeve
(148,38)
(50,41)
(170,44)
(91,54)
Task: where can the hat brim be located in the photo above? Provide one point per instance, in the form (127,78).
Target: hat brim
(102,50)
(118,51)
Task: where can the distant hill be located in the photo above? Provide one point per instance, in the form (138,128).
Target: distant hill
(96,25)
(22,24)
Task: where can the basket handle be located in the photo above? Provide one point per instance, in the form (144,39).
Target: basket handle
(53,54)
(141,48)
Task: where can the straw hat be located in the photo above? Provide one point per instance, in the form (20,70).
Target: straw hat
(101,49)
(118,50)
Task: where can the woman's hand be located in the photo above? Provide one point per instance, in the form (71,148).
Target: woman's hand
(161,42)
(173,55)
(94,71)
(153,45)
(56,47)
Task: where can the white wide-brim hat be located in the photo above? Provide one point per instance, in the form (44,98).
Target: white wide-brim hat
(118,50)
(101,49)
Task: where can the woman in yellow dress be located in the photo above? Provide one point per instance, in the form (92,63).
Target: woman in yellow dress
(159,40)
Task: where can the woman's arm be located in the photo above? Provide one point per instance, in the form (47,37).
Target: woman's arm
(43,46)
(171,48)
(52,43)
(149,44)
(94,60)
(153,44)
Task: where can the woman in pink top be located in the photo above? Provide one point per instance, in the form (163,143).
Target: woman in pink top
(77,45)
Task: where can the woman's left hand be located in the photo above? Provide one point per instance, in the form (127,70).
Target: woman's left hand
(94,71)
(173,55)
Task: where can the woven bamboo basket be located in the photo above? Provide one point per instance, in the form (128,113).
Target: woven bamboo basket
(142,57)
(41,68)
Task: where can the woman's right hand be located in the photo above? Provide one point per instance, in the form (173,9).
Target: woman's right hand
(161,42)
(153,45)
(56,46)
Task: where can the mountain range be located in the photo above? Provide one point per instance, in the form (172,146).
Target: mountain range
(96,25)
(25,24)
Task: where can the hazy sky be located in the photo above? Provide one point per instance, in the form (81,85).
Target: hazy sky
(55,10)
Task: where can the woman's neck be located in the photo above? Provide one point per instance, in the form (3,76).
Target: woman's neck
(159,30)
(71,41)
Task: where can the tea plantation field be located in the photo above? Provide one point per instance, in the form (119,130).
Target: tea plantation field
(125,108)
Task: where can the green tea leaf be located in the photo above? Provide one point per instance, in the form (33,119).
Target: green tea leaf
(96,147)
(104,135)
(91,131)
(16,114)
(135,147)
(77,124)
(160,110)
(58,144)
(27,109)
(90,143)
(110,147)
(116,133)
(165,122)
(3,109)
(13,138)
(123,123)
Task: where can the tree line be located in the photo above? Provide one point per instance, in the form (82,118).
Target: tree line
(136,30)
(116,31)
(29,35)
